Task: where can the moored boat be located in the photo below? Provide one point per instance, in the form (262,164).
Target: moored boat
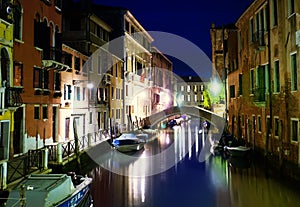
(238,151)
(41,190)
(128,142)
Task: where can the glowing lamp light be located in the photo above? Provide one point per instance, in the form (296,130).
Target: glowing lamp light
(90,85)
(215,87)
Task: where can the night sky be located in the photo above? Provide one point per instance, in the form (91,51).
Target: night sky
(190,19)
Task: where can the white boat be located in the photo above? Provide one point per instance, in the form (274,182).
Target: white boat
(60,190)
(128,142)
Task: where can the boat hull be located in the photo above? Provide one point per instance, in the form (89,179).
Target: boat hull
(238,151)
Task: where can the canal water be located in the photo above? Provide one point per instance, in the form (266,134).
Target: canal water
(179,178)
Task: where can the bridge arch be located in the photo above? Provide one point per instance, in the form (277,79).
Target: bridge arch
(196,111)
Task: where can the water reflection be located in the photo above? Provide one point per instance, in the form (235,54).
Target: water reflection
(216,182)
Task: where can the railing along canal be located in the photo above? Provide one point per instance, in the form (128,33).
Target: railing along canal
(58,152)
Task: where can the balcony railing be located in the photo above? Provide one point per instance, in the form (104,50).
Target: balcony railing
(13,96)
(53,58)
(258,39)
(260,95)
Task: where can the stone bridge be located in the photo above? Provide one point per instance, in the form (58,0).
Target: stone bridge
(194,111)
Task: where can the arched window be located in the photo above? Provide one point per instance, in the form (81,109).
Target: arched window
(58,44)
(5,68)
(37,29)
(18,14)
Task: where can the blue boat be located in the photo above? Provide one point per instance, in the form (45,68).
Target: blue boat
(60,190)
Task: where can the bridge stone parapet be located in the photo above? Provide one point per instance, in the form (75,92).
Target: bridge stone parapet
(195,111)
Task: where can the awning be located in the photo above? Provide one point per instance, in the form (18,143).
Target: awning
(52,64)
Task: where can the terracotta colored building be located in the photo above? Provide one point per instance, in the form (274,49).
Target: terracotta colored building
(37,54)
(161,76)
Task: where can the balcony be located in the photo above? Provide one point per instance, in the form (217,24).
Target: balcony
(13,96)
(258,40)
(106,79)
(52,59)
(260,95)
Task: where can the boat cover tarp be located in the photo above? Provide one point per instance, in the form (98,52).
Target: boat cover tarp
(42,190)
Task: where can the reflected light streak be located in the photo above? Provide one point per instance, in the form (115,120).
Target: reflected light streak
(137,185)
(182,138)
(196,137)
(175,149)
(190,141)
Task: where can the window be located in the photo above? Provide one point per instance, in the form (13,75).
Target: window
(67,128)
(56,81)
(77,91)
(118,93)
(36,112)
(252,81)
(112,93)
(291,7)
(243,120)
(67,92)
(113,113)
(240,84)
(17,21)
(37,77)
(116,69)
(118,113)
(37,34)
(294,75)
(276,126)
(188,88)
(276,77)
(294,130)
(18,74)
(259,123)
(232,91)
(274,13)
(83,93)
(201,87)
(41,78)
(45,112)
(91,117)
(67,59)
(182,88)
(77,65)
(86,66)
(91,94)
(261,81)
(268,125)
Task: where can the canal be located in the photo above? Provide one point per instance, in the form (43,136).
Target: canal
(168,172)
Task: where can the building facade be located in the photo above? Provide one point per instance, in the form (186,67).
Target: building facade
(264,88)
(132,44)
(37,59)
(161,76)
(103,69)
(191,91)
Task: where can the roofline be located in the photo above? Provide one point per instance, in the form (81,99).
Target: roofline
(139,25)
(158,51)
